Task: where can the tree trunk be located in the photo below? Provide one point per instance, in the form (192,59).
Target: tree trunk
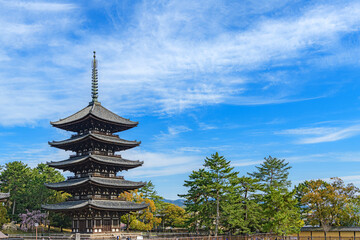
(217,213)
(128,223)
(13,210)
(245,198)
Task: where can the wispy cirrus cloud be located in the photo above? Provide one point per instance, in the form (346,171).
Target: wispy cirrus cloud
(162,164)
(38,6)
(322,134)
(172,132)
(166,58)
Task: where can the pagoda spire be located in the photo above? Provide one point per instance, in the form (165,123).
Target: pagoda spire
(94,84)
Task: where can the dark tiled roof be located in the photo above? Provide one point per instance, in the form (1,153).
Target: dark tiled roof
(4,196)
(98,111)
(333,229)
(98,137)
(100,204)
(111,182)
(107,160)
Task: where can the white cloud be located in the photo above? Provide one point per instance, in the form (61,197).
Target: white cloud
(322,134)
(38,6)
(169,58)
(172,132)
(161,164)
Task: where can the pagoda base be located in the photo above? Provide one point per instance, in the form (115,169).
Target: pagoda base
(108,236)
(97,225)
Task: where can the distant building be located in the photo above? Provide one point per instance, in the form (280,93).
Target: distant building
(336,233)
(4,196)
(95,186)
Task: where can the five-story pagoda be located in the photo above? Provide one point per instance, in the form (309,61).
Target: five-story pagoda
(95,205)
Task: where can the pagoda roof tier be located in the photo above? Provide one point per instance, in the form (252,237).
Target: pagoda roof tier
(4,196)
(116,183)
(110,205)
(98,115)
(115,161)
(76,142)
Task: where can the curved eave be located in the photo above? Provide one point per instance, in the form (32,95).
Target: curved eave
(97,181)
(97,112)
(95,137)
(71,126)
(99,159)
(111,205)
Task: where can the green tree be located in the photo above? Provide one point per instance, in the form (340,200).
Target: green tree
(242,213)
(59,220)
(281,213)
(197,201)
(221,174)
(148,191)
(208,188)
(27,189)
(273,172)
(16,178)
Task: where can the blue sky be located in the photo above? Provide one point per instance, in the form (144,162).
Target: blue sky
(245,78)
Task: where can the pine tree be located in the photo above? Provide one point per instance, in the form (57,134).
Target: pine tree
(197,201)
(221,175)
(273,172)
(242,213)
(280,212)
(207,190)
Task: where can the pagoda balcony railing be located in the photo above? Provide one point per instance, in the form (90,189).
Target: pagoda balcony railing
(96,174)
(94,131)
(92,197)
(95,153)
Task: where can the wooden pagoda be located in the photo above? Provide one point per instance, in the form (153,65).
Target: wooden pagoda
(95,206)
(3,196)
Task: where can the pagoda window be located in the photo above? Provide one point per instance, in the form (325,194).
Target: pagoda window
(115,222)
(98,223)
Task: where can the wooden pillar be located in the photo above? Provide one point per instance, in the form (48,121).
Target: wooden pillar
(311,235)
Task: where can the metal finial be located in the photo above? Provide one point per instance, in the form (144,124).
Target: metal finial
(94,85)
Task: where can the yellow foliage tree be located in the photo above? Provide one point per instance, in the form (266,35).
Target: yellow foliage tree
(144,220)
(3,215)
(331,203)
(173,216)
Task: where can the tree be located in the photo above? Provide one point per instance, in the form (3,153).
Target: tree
(220,174)
(30,219)
(143,220)
(197,201)
(148,191)
(280,214)
(60,220)
(242,213)
(3,215)
(331,204)
(206,196)
(16,179)
(27,189)
(280,211)
(173,216)
(273,172)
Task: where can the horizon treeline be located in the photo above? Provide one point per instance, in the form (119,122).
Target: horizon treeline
(219,200)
